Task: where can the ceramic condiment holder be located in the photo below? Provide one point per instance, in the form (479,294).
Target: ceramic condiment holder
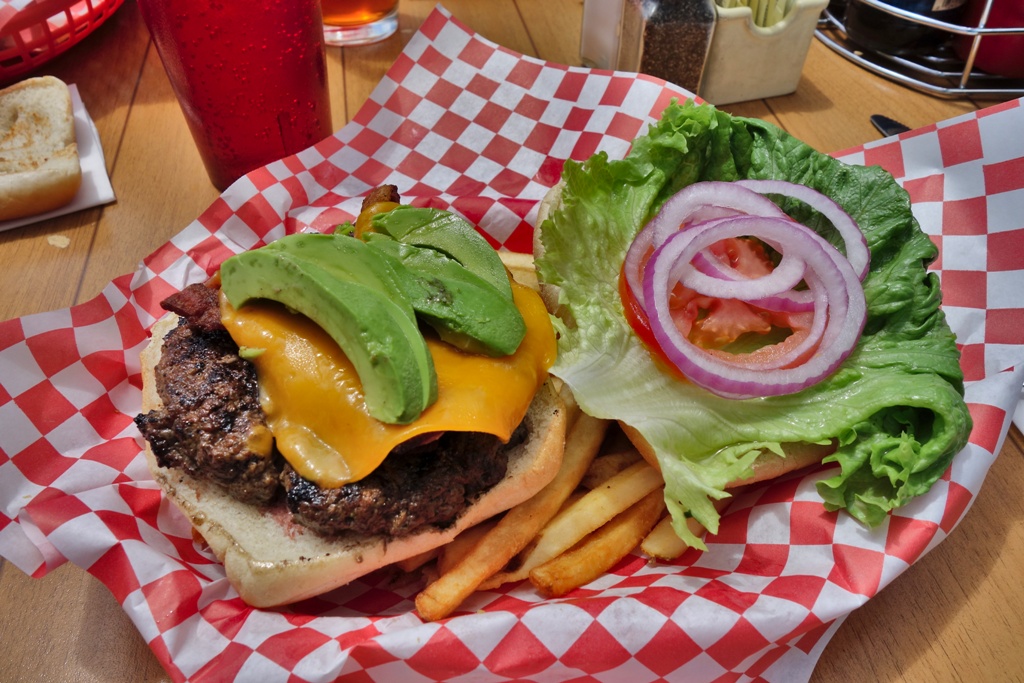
(715,52)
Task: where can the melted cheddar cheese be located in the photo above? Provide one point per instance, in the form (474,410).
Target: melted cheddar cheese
(313,399)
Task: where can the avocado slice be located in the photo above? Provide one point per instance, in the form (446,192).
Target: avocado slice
(347,289)
(463,308)
(448,233)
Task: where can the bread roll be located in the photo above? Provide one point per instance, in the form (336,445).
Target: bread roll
(39,165)
(767,466)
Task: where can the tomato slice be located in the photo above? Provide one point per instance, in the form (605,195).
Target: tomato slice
(722,321)
(636,316)
(713,323)
(745,255)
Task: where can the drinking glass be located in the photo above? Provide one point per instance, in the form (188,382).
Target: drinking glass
(359,22)
(251,78)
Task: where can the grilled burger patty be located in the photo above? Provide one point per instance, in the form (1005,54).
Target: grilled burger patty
(428,485)
(211,426)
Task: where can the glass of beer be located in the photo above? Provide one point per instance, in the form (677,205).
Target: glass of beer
(251,78)
(359,22)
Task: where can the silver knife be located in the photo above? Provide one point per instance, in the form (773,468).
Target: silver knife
(887,126)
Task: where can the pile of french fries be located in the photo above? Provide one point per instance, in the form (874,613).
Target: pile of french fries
(604,502)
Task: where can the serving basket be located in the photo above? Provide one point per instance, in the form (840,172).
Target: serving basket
(33,32)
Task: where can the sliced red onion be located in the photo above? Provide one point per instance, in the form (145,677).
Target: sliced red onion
(839,307)
(784,277)
(793,301)
(688,242)
(856,246)
(694,203)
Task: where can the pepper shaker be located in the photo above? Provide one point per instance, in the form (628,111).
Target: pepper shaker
(667,39)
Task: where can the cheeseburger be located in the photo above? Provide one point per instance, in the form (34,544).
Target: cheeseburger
(327,405)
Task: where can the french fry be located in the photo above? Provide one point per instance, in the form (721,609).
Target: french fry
(606,466)
(591,511)
(600,551)
(517,528)
(573,497)
(514,569)
(459,547)
(664,544)
(572,409)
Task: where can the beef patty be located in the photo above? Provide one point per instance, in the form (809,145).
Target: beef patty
(212,427)
(429,485)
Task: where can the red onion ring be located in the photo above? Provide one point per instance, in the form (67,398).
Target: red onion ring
(793,301)
(839,306)
(687,243)
(694,203)
(856,246)
(733,285)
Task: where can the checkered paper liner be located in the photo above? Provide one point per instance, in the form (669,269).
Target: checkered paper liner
(461,123)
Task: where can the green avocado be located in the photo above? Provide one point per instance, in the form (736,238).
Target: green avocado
(464,309)
(349,290)
(448,233)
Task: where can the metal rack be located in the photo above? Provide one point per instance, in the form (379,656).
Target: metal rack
(941,73)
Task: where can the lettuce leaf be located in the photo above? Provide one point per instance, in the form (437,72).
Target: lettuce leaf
(895,407)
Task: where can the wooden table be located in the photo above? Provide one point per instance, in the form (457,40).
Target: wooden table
(956,615)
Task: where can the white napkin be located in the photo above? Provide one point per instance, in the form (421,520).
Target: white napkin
(96,188)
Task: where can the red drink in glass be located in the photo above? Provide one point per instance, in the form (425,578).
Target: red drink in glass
(251,78)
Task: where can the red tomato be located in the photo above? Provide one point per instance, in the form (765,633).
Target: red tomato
(747,256)
(714,323)
(637,318)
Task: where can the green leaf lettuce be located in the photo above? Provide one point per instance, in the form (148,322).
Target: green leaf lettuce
(895,407)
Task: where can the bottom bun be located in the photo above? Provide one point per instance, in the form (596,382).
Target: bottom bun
(767,466)
(270,560)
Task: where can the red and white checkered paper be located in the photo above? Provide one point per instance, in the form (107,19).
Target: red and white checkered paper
(461,123)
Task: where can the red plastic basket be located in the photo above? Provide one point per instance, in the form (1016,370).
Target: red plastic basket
(35,32)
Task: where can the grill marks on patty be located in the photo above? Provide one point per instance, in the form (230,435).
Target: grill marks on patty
(212,427)
(409,490)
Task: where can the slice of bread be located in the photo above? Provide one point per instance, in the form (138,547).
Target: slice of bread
(39,164)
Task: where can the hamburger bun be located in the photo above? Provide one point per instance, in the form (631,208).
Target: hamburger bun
(551,202)
(767,466)
(271,561)
(39,164)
